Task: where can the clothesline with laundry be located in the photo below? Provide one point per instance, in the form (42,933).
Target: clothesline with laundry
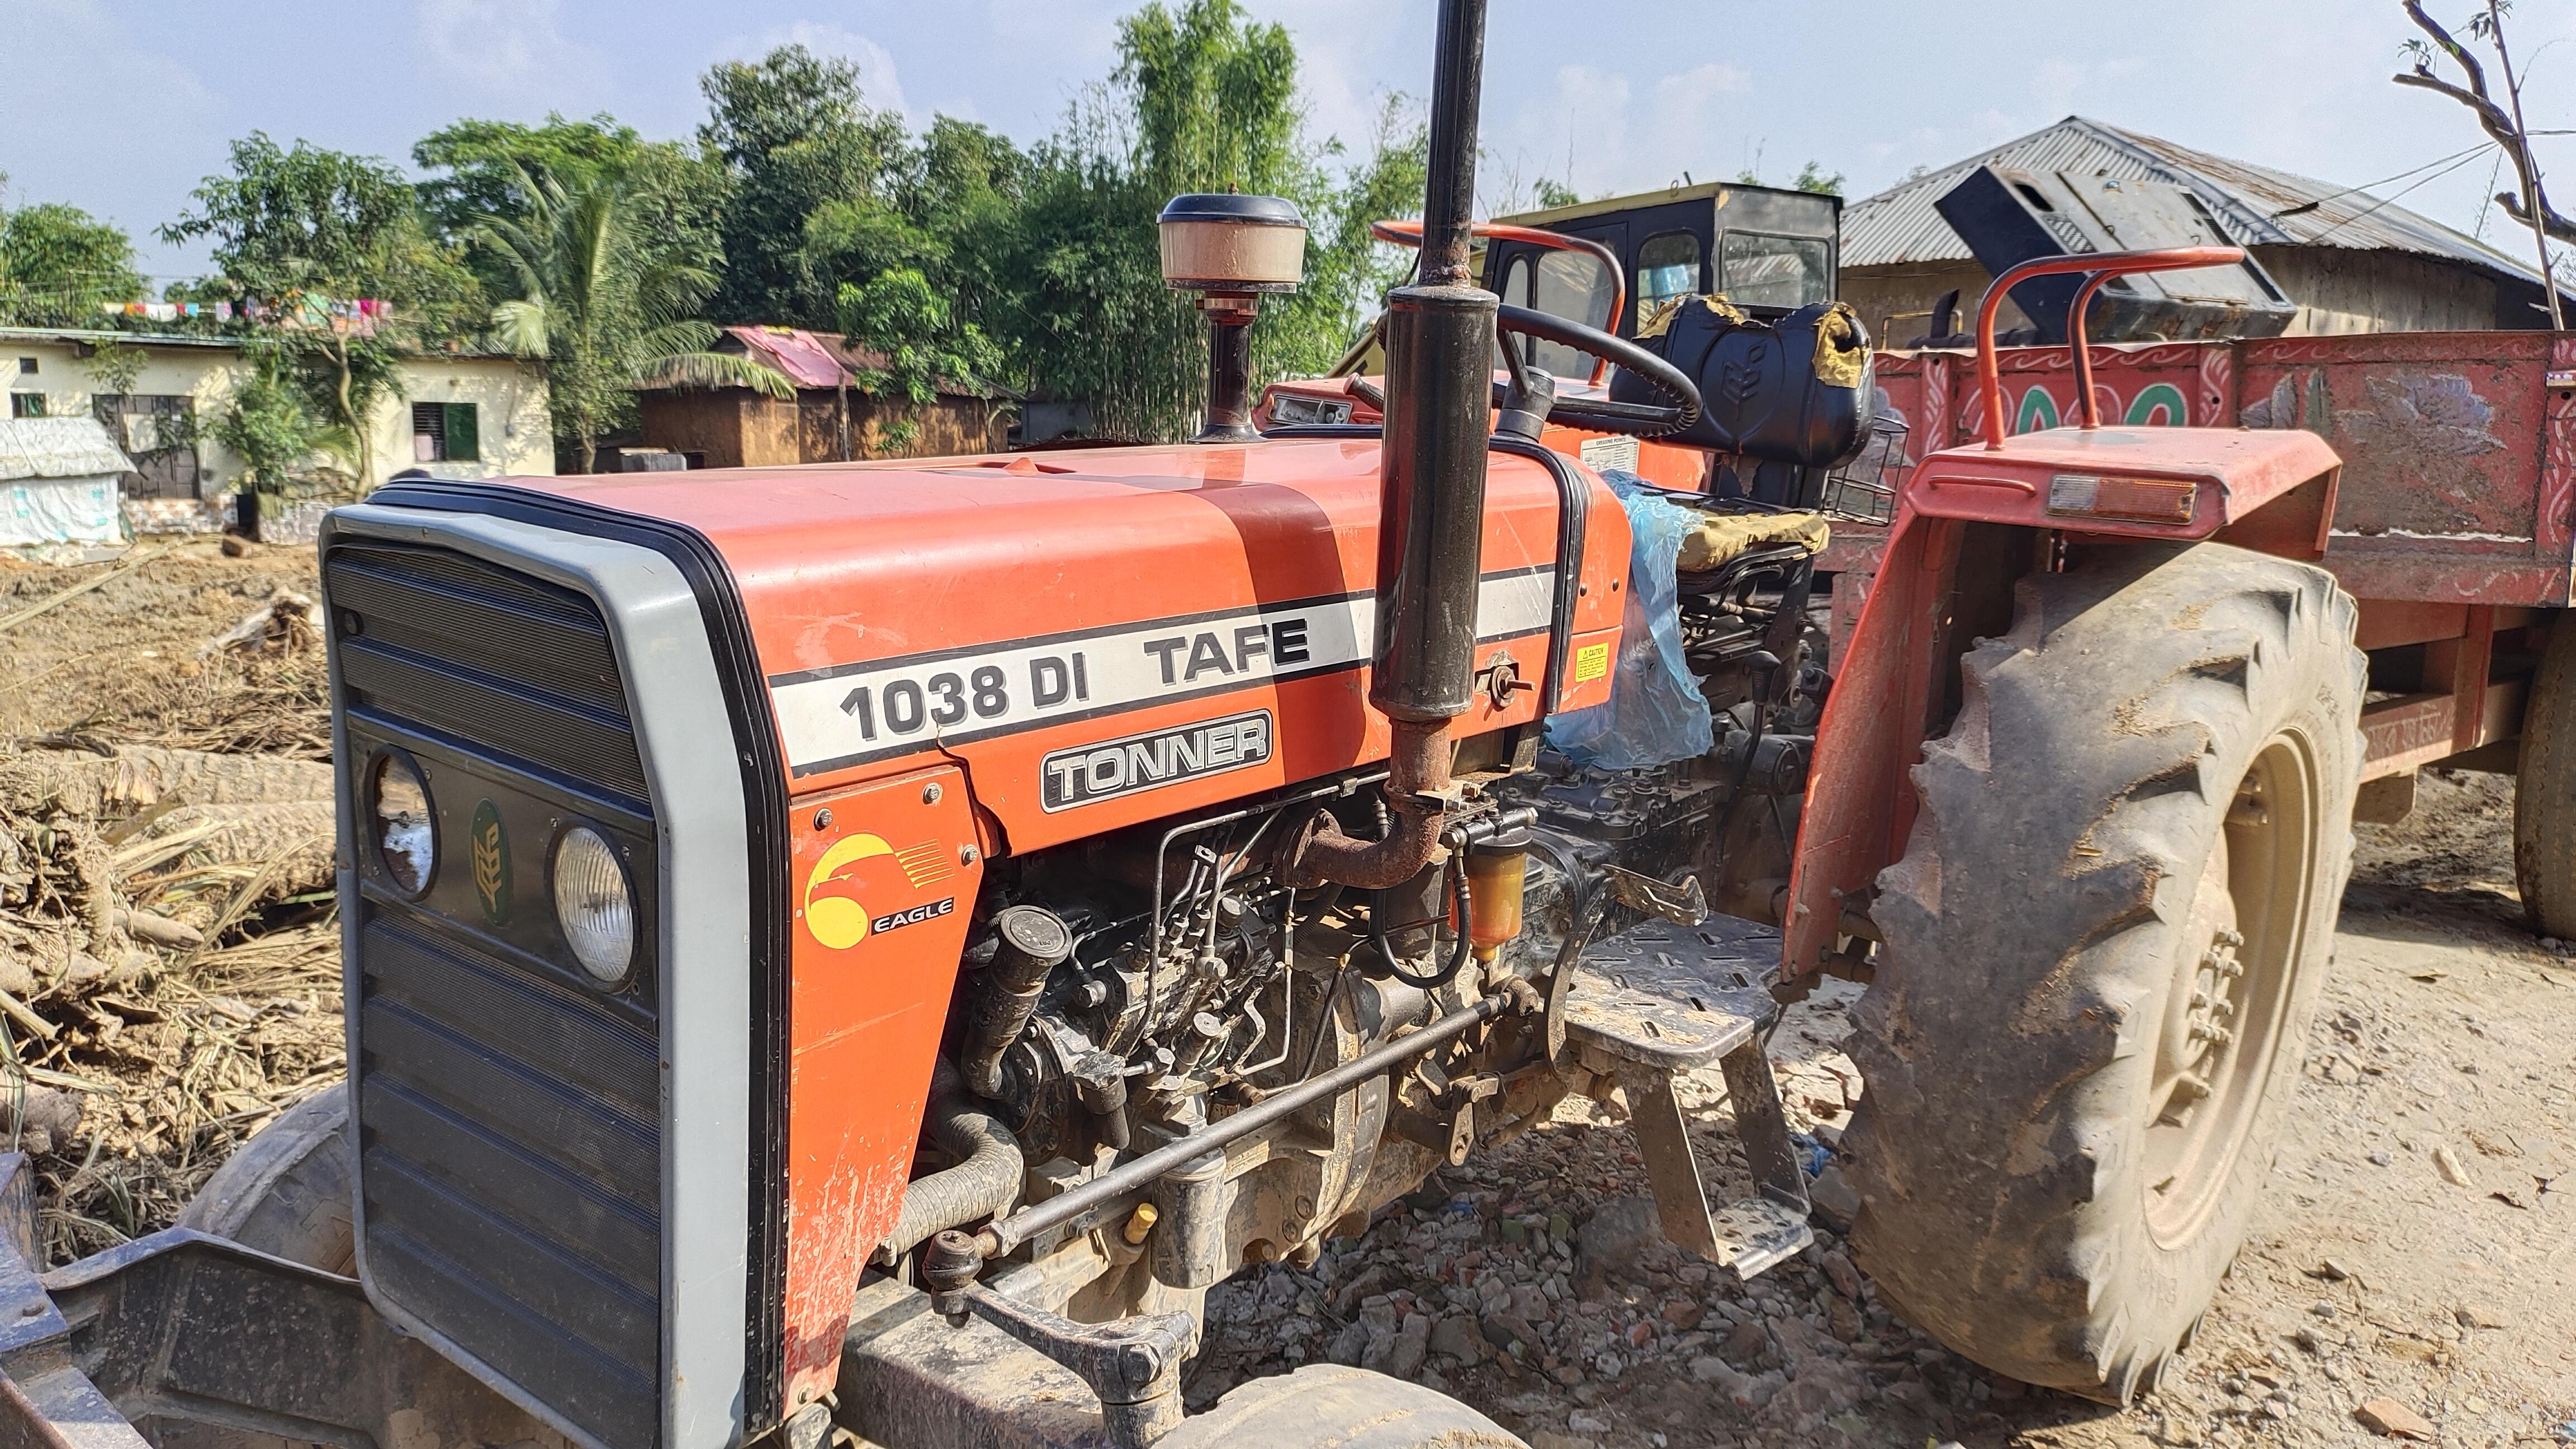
(360,316)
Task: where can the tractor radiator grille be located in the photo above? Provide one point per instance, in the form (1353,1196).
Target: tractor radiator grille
(510,1139)
(474,653)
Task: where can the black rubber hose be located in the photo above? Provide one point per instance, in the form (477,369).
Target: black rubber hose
(1459,950)
(984,1183)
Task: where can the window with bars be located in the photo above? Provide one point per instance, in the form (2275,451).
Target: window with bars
(445,433)
(26,405)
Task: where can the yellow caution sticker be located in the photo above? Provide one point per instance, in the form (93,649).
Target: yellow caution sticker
(1591,662)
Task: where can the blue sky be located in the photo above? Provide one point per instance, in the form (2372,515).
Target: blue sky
(120,106)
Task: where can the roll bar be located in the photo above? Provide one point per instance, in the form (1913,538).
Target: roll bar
(2098,267)
(1409,234)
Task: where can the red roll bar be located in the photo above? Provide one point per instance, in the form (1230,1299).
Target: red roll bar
(2099,267)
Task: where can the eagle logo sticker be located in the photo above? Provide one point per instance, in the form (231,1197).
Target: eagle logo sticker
(491,850)
(862,874)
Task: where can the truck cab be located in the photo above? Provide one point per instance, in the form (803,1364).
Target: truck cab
(1766,250)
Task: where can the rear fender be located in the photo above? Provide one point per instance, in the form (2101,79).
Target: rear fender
(1887,684)
(1974,520)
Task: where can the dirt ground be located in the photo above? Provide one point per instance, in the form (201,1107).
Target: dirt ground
(2414,1247)
(2442,1047)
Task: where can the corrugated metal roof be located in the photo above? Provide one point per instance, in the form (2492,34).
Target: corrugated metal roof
(57,448)
(2257,205)
(827,359)
(794,351)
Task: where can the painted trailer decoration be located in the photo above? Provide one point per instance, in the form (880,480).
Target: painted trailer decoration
(2451,520)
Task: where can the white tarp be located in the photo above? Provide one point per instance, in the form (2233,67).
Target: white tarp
(59,510)
(59,482)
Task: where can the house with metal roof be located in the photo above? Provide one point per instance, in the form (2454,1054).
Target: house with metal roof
(160,396)
(2353,262)
(831,419)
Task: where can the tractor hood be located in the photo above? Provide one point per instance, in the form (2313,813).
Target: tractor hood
(1102,637)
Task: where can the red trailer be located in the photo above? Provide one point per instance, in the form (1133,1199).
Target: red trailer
(2450,523)
(2450,520)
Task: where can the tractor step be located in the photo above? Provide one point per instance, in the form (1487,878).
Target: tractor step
(1673,996)
(1662,998)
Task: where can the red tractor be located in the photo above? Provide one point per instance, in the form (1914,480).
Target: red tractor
(869,947)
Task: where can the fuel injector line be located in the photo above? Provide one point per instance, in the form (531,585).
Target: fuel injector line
(1002,1237)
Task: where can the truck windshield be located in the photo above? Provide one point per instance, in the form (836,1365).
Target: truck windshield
(1667,267)
(1754,270)
(1571,285)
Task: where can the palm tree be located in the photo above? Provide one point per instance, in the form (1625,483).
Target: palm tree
(607,310)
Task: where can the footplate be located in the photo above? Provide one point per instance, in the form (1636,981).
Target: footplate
(1661,998)
(1670,996)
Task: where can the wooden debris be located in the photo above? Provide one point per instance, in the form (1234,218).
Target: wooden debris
(50,602)
(287,622)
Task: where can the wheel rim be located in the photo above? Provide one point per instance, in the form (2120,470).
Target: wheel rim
(2236,964)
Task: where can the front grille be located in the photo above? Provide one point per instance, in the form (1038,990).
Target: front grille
(478,654)
(509,1114)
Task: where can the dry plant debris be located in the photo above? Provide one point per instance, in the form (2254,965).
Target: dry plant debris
(169,957)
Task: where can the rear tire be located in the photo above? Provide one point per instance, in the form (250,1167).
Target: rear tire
(2074,1075)
(1328,1406)
(286,1192)
(2544,791)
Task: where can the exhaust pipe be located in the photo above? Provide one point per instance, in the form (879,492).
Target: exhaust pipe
(1431,492)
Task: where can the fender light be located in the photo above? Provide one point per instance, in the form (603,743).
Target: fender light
(2138,500)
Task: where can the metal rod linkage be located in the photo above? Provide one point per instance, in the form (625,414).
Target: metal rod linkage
(1019,1227)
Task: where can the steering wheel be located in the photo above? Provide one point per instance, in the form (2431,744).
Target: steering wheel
(1532,394)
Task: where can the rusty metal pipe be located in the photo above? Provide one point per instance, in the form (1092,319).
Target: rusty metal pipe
(1417,776)
(1431,496)
(1449,201)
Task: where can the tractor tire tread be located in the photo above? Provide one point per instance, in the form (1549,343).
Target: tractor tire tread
(2544,794)
(2097,743)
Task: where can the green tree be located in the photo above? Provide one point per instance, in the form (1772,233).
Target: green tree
(288,224)
(1811,177)
(1348,271)
(271,425)
(472,168)
(1204,100)
(604,306)
(795,137)
(1553,194)
(475,168)
(949,209)
(901,316)
(58,263)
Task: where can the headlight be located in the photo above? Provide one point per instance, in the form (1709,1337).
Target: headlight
(594,905)
(406,837)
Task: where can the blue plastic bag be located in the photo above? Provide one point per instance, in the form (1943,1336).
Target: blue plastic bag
(1656,714)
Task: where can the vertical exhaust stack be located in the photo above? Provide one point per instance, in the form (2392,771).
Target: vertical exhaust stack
(1439,359)
(1439,366)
